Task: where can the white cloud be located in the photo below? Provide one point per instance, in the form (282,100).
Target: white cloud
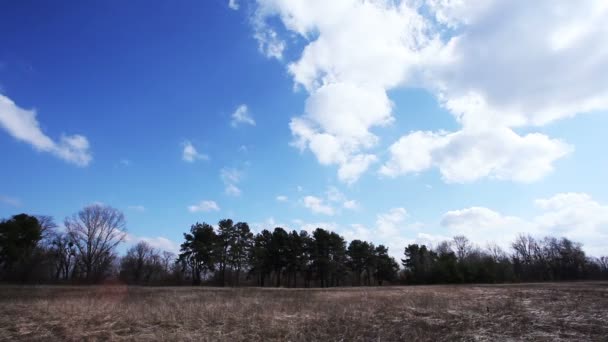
(334,195)
(494,66)
(138,208)
(242,116)
(573,215)
(318,206)
(232,190)
(483,225)
(312,226)
(548,61)
(231,177)
(205,206)
(466,156)
(282,198)
(351,204)
(11,201)
(391,223)
(390,229)
(158,242)
(360,50)
(23,125)
(233,5)
(190,154)
(325,204)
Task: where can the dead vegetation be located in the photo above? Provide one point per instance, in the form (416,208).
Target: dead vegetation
(539,312)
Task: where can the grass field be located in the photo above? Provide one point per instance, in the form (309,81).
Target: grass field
(539,312)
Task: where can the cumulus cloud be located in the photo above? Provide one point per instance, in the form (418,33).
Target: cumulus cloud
(233,5)
(231,177)
(318,206)
(158,242)
(282,198)
(355,52)
(327,204)
(466,156)
(483,225)
(190,154)
(494,66)
(390,229)
(351,204)
(23,125)
(574,215)
(232,190)
(242,116)
(204,206)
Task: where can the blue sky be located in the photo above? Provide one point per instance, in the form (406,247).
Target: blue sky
(388,121)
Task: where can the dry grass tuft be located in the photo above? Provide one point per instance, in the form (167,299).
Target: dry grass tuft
(540,312)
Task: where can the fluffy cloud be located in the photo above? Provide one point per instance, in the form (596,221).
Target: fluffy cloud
(466,156)
(494,66)
(158,242)
(23,125)
(573,215)
(242,116)
(232,190)
(233,5)
(484,225)
(325,205)
(391,229)
(190,154)
(351,204)
(282,198)
(231,178)
(317,205)
(356,51)
(204,206)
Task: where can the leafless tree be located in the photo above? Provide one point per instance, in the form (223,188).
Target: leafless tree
(463,246)
(603,262)
(95,231)
(496,252)
(524,247)
(47,227)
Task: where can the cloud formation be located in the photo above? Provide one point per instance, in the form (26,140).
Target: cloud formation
(242,116)
(233,5)
(190,154)
(204,206)
(23,125)
(231,177)
(574,215)
(495,67)
(318,206)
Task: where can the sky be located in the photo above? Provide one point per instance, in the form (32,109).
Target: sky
(391,121)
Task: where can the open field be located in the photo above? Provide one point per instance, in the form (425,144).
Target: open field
(539,312)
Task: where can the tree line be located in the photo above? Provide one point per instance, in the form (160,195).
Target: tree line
(34,249)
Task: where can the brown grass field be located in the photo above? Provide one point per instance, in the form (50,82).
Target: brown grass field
(534,312)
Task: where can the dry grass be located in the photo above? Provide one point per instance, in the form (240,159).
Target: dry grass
(547,312)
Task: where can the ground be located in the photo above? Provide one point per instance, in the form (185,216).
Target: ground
(538,312)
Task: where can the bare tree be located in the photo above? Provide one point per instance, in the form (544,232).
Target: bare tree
(63,252)
(96,230)
(463,246)
(603,262)
(496,252)
(47,227)
(525,248)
